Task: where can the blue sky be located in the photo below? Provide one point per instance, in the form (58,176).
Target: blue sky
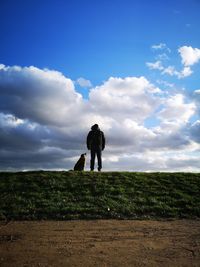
(121,63)
(95,39)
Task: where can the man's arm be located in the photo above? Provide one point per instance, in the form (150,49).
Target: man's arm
(89,141)
(103,141)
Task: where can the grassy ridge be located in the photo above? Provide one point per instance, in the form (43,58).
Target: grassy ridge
(77,195)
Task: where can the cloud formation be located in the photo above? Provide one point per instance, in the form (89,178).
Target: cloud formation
(84,82)
(161,46)
(170,70)
(157,65)
(189,56)
(43,96)
(44,122)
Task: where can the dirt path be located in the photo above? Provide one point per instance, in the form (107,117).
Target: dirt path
(100,243)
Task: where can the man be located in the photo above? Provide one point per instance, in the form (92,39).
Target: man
(95,143)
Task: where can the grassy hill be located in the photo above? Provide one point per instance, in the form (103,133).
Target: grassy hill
(90,195)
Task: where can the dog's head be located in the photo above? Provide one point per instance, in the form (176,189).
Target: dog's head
(83,155)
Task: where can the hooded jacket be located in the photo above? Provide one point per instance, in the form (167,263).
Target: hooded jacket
(95,138)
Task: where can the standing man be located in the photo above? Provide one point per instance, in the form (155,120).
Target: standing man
(95,143)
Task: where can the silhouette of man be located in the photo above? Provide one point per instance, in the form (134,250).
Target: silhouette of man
(95,143)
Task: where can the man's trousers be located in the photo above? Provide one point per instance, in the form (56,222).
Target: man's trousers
(94,152)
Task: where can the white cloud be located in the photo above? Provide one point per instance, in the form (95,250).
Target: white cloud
(155,65)
(189,55)
(176,110)
(161,46)
(159,160)
(170,70)
(2,66)
(196,97)
(165,83)
(185,72)
(44,122)
(131,97)
(9,120)
(44,96)
(195,130)
(162,57)
(83,82)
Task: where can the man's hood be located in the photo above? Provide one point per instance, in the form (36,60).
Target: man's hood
(95,127)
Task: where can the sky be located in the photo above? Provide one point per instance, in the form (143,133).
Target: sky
(132,66)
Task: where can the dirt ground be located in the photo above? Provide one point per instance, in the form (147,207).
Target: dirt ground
(100,243)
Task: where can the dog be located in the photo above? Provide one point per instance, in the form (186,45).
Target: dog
(79,166)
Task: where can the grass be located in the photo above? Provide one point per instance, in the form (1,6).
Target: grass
(90,195)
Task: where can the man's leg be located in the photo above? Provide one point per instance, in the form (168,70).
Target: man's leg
(99,159)
(92,160)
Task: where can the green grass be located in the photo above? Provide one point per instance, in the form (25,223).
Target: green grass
(91,195)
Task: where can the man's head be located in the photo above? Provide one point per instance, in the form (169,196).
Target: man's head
(95,127)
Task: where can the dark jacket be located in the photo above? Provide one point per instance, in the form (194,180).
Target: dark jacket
(95,138)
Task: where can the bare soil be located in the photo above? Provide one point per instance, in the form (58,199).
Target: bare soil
(100,243)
